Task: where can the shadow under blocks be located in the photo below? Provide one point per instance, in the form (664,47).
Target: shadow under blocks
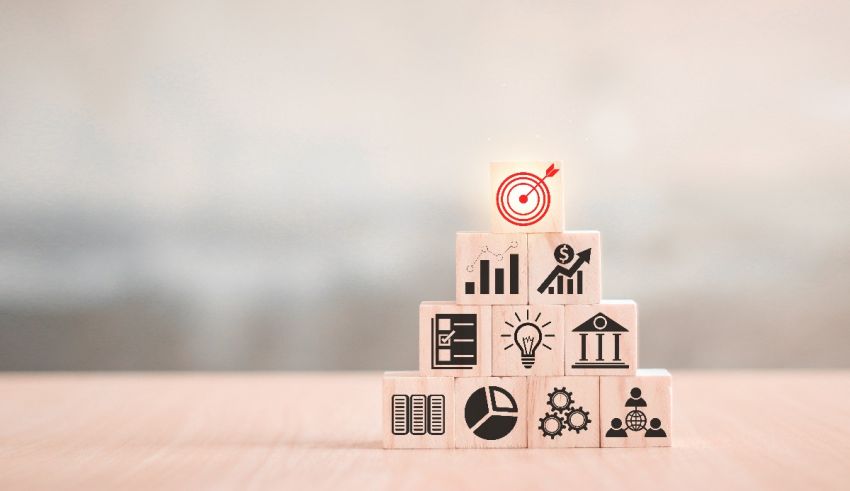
(528,354)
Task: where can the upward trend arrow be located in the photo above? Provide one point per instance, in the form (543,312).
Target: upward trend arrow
(581,258)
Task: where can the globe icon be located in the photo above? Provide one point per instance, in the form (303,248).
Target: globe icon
(636,420)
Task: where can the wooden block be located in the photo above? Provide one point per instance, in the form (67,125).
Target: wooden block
(491,269)
(454,340)
(527,198)
(564,268)
(528,340)
(418,411)
(637,411)
(563,412)
(601,339)
(490,412)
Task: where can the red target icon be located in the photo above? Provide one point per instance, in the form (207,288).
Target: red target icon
(523,198)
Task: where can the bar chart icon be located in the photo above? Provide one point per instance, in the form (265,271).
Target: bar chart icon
(574,285)
(418,414)
(498,276)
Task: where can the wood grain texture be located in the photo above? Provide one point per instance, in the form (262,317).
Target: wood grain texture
(648,393)
(542,263)
(584,393)
(739,430)
(549,355)
(519,185)
(476,253)
(617,348)
(483,338)
(495,407)
(401,389)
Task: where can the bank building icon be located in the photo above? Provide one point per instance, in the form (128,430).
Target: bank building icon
(608,332)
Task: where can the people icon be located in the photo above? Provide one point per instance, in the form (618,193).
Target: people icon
(635,401)
(636,420)
(654,429)
(617,430)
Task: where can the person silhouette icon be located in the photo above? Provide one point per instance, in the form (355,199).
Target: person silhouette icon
(654,429)
(635,401)
(617,430)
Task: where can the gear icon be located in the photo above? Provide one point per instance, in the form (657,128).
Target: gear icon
(577,420)
(560,400)
(552,425)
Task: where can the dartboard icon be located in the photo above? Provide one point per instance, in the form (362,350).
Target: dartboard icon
(523,199)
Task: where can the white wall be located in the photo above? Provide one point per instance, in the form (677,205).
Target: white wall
(277,184)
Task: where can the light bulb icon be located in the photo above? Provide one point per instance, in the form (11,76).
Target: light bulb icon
(527,338)
(527,335)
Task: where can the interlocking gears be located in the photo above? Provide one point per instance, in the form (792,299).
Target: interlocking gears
(552,425)
(577,419)
(563,415)
(560,399)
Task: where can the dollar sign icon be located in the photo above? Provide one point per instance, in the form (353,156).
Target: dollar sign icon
(564,253)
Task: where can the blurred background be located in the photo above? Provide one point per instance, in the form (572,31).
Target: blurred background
(277,185)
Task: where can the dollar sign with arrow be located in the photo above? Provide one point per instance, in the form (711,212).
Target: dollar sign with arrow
(564,254)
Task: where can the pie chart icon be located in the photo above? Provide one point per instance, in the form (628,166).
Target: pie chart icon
(491,412)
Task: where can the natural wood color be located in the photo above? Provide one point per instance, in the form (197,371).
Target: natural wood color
(624,313)
(506,354)
(655,386)
(465,387)
(552,221)
(471,248)
(322,431)
(585,395)
(405,385)
(541,263)
(427,311)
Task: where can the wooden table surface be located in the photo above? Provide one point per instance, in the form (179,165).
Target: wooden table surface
(290,431)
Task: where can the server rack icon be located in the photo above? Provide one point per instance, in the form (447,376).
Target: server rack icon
(454,341)
(418,414)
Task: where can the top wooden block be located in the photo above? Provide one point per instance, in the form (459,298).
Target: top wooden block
(528,197)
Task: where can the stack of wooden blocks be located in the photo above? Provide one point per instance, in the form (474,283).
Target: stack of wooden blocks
(529,355)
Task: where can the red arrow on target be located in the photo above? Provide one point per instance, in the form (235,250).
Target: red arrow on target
(550,171)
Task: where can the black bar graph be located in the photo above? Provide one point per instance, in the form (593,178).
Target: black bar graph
(498,278)
(484,277)
(514,267)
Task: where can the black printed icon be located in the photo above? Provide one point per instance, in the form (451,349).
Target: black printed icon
(636,420)
(491,412)
(418,414)
(601,325)
(528,336)
(498,273)
(563,415)
(454,341)
(565,255)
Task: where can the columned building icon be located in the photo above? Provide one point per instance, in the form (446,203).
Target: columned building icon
(604,328)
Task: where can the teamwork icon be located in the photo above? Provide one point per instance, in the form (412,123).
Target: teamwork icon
(527,336)
(563,415)
(523,198)
(454,341)
(418,414)
(635,420)
(491,412)
(554,283)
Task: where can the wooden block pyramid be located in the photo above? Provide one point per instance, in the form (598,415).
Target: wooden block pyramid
(528,354)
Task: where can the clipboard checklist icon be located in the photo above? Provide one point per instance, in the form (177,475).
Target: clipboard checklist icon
(454,341)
